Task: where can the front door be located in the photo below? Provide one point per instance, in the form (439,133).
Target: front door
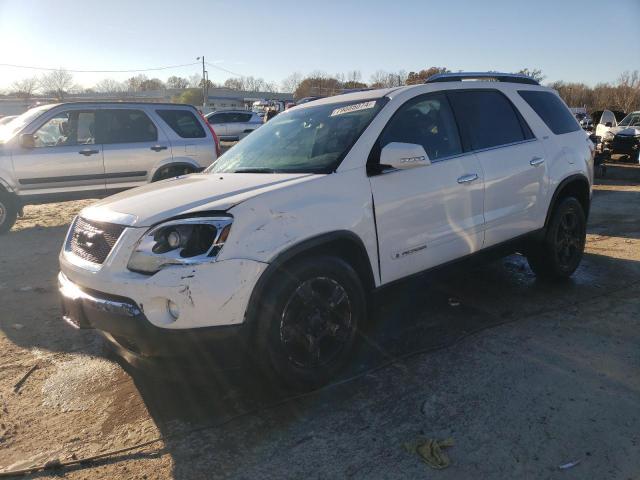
(428,215)
(66,157)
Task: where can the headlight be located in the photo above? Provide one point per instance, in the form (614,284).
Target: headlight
(189,241)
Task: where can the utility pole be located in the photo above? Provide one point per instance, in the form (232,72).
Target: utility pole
(205,86)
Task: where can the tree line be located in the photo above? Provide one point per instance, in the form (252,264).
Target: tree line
(623,94)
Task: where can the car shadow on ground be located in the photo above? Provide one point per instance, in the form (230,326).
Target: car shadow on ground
(410,319)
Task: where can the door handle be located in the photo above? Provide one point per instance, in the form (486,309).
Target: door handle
(157,148)
(468,178)
(88,153)
(536,161)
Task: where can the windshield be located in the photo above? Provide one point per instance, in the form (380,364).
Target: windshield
(14,126)
(631,120)
(308,140)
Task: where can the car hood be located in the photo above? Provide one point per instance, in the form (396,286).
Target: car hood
(147,205)
(626,131)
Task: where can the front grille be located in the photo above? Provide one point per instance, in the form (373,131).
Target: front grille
(93,241)
(624,143)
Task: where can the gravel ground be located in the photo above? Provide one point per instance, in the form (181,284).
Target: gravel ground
(524,376)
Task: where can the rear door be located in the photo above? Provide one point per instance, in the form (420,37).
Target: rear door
(191,140)
(428,215)
(133,144)
(511,158)
(239,124)
(66,158)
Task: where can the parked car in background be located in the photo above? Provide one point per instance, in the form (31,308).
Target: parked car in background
(272,254)
(626,137)
(233,125)
(85,150)
(7,119)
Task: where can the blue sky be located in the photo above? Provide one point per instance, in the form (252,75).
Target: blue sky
(589,40)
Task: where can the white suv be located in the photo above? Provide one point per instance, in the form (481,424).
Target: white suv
(273,252)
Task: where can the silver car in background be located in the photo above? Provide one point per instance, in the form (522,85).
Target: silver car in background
(234,125)
(89,150)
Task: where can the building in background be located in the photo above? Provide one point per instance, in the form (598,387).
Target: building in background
(218,99)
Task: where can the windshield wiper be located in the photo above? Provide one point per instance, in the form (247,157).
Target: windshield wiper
(254,170)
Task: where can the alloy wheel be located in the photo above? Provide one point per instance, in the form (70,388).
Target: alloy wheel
(568,238)
(316,323)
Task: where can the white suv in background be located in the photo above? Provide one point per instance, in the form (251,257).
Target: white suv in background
(93,149)
(272,254)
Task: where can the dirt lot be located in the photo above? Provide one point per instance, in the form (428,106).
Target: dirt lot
(524,376)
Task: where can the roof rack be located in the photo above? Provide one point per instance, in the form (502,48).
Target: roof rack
(492,76)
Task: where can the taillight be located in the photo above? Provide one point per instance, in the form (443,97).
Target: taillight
(215,137)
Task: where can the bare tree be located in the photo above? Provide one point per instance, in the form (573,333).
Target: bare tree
(177,82)
(627,93)
(194,80)
(134,84)
(534,73)
(384,79)
(109,85)
(57,83)
(25,88)
(416,78)
(291,83)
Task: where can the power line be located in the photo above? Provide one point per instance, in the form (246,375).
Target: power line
(152,69)
(224,69)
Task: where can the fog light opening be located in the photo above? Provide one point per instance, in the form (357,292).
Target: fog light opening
(173,308)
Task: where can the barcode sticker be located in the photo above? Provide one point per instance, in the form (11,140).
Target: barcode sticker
(353,108)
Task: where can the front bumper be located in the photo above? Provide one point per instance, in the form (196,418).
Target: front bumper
(625,145)
(123,323)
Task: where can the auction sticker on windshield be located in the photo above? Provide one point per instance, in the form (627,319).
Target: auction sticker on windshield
(353,108)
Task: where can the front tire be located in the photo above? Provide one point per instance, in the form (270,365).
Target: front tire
(558,255)
(309,319)
(8,212)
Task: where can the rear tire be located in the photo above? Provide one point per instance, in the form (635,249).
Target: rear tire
(8,212)
(308,322)
(558,255)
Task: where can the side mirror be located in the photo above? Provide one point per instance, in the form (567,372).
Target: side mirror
(608,124)
(404,155)
(27,140)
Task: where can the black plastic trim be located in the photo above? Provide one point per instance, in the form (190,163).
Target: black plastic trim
(74,178)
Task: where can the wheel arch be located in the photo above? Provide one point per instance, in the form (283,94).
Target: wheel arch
(174,164)
(343,244)
(573,186)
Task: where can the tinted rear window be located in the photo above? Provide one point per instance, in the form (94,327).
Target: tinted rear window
(551,110)
(183,122)
(126,126)
(487,119)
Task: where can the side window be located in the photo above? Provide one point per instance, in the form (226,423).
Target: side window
(244,117)
(427,121)
(486,118)
(67,129)
(215,119)
(183,122)
(126,126)
(553,112)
